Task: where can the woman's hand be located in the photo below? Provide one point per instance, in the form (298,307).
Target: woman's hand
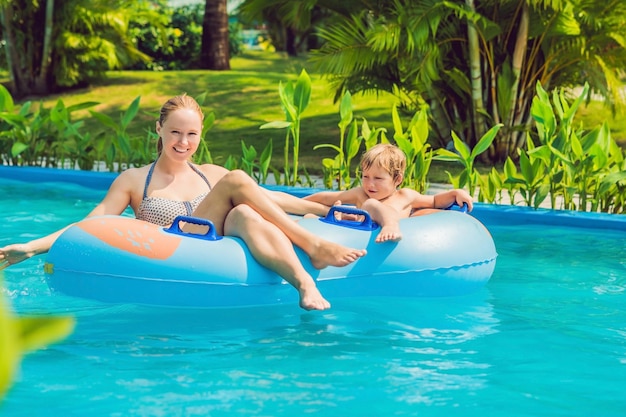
(13,254)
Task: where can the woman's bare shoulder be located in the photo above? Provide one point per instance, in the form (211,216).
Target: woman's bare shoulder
(213,172)
(130,177)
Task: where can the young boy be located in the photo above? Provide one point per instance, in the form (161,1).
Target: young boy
(382,171)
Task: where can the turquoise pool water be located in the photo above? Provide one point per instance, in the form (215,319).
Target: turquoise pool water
(545,337)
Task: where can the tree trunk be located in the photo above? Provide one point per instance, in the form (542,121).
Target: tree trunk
(476,78)
(518,103)
(290,41)
(13,62)
(41,79)
(215,54)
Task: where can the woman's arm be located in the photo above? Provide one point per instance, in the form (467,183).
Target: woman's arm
(115,202)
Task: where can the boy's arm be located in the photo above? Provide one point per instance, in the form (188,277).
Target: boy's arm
(459,196)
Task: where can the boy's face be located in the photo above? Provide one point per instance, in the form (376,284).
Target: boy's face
(378,183)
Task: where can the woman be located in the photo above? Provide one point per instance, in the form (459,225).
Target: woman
(237,206)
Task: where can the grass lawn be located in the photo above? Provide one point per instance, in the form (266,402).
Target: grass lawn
(247,96)
(242,99)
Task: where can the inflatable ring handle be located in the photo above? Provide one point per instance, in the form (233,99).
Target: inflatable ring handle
(211,234)
(455,206)
(366,224)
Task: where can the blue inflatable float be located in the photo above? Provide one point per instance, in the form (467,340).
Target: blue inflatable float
(123,260)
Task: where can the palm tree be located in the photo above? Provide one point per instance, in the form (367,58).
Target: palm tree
(292,23)
(476,63)
(214,53)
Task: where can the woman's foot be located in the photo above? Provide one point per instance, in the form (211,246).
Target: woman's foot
(312,299)
(326,253)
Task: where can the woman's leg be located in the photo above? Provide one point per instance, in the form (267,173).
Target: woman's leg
(272,249)
(237,188)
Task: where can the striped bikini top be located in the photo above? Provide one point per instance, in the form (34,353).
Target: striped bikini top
(163,211)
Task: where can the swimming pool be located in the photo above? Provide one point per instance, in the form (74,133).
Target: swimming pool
(545,337)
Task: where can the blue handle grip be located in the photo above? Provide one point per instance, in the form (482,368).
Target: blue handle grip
(366,224)
(211,234)
(454,206)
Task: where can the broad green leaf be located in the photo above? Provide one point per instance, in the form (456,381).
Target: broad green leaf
(25,109)
(6,100)
(302,92)
(560,155)
(541,194)
(526,168)
(276,125)
(569,114)
(13,119)
(397,123)
(329,163)
(610,180)
(600,158)
(207,123)
(510,170)
(285,91)
(461,147)
(345,110)
(266,157)
(541,152)
(485,142)
(82,106)
(59,113)
(201,98)
(105,120)
(249,153)
(18,148)
(124,144)
(353,142)
(37,332)
(446,155)
(577,149)
(131,112)
(416,142)
(327,145)
(404,144)
(420,127)
(365,129)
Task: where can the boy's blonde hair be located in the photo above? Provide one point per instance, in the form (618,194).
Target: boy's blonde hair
(386,156)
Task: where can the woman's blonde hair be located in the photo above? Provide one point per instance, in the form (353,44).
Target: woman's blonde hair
(182,101)
(386,156)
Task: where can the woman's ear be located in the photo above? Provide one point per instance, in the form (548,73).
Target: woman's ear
(158,128)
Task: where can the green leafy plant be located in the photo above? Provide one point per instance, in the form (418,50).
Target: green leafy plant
(257,166)
(414,144)
(203,155)
(33,135)
(584,168)
(117,147)
(466,157)
(294,100)
(339,167)
(19,335)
